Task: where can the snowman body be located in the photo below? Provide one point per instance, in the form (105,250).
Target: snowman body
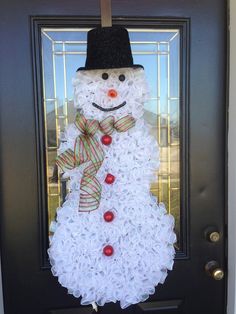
(128,220)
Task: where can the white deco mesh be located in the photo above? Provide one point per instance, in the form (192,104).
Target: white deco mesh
(142,232)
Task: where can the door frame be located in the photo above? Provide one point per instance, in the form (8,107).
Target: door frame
(231,295)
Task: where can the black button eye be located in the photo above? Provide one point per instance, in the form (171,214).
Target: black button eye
(105,76)
(122,77)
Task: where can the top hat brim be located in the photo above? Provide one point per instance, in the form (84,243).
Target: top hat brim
(134,66)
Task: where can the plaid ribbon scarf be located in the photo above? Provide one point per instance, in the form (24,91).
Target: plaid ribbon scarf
(88,149)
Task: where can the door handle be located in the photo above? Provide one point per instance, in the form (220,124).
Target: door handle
(213,270)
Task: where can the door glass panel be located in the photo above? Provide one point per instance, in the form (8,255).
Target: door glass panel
(158,50)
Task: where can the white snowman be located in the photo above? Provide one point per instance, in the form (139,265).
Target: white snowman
(112,241)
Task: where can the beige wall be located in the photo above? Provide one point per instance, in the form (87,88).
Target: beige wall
(232,163)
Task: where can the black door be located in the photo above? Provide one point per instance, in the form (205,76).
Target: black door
(183,48)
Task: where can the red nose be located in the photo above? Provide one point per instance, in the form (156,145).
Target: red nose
(112,93)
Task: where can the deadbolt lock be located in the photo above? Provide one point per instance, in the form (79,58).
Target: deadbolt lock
(214,236)
(213,269)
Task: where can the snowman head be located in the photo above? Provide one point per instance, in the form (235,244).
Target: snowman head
(104,92)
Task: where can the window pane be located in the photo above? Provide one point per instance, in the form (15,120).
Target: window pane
(158,50)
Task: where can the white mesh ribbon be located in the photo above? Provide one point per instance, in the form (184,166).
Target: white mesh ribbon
(141,233)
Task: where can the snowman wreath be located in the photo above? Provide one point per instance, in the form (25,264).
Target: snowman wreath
(112,241)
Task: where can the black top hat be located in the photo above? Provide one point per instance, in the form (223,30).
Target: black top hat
(108,48)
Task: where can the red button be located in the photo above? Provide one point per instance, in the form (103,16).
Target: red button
(108,250)
(106,139)
(108,216)
(109,178)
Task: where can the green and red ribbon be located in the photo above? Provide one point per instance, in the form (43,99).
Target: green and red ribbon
(88,149)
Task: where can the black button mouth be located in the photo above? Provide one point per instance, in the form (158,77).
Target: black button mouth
(109,109)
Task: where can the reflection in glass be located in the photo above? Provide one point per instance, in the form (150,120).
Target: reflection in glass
(63,51)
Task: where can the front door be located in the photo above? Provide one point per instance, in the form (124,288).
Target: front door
(182,46)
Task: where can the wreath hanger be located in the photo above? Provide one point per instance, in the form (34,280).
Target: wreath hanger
(106,19)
